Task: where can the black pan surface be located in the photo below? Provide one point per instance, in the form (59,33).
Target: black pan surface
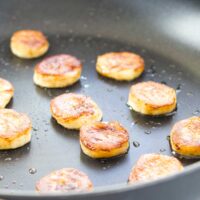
(86,29)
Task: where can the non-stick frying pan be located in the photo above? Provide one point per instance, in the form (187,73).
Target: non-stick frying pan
(165,33)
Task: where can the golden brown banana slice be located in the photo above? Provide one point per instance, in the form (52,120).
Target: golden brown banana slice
(185,137)
(151,98)
(150,167)
(64,180)
(57,71)
(6,92)
(120,65)
(74,110)
(104,139)
(15,129)
(28,44)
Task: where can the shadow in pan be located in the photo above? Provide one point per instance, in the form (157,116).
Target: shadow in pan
(72,134)
(10,104)
(51,93)
(148,121)
(119,84)
(15,154)
(104,163)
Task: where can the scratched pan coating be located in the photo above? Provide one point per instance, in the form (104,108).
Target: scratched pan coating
(53,147)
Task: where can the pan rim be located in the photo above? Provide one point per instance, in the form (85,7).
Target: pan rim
(104,190)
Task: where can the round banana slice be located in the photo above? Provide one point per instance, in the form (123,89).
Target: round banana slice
(64,180)
(28,44)
(15,129)
(6,92)
(150,167)
(185,137)
(151,98)
(122,66)
(74,110)
(104,139)
(57,71)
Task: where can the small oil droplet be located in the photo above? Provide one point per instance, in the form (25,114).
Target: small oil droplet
(163,71)
(8,159)
(67,91)
(109,90)
(133,123)
(190,94)
(32,170)
(196,112)
(180,73)
(170,78)
(136,144)
(35,129)
(177,155)
(71,39)
(147,132)
(152,70)
(83,78)
(106,167)
(92,61)
(174,153)
(178,88)
(86,86)
(1,177)
(162,150)
(6,186)
(103,161)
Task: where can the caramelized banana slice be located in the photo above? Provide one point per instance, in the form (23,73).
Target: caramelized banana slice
(150,167)
(74,110)
(185,137)
(6,92)
(64,180)
(28,44)
(15,129)
(104,140)
(120,65)
(57,71)
(151,98)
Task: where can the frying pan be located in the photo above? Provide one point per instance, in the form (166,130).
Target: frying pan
(164,33)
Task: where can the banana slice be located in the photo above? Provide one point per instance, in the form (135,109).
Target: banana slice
(64,180)
(185,137)
(151,98)
(150,167)
(57,71)
(29,44)
(15,129)
(6,92)
(104,139)
(122,66)
(74,110)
